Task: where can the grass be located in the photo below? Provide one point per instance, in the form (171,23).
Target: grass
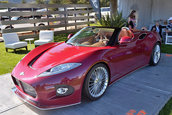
(166,48)
(95,24)
(9,60)
(167,109)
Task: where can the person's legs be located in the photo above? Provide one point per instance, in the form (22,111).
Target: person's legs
(163,37)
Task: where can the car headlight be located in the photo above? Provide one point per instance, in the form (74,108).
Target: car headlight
(59,69)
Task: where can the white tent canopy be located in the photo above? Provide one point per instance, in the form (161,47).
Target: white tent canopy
(147,10)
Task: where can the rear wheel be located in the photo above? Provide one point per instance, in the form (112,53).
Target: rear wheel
(41,25)
(156,55)
(9,27)
(96,82)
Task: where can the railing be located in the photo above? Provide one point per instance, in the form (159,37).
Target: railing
(68,18)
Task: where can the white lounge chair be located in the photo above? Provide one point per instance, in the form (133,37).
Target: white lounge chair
(12,42)
(44,37)
(168,39)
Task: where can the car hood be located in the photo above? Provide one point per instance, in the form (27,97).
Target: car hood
(61,53)
(50,55)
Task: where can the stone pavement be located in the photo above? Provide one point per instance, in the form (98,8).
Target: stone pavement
(145,90)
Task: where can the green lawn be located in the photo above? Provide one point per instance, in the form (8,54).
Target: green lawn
(167,109)
(9,60)
(166,49)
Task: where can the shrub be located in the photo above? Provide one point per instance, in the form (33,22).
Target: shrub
(3,1)
(113,21)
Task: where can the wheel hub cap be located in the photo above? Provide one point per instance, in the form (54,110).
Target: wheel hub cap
(98,82)
(157,54)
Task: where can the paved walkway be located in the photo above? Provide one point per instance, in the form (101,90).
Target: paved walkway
(146,89)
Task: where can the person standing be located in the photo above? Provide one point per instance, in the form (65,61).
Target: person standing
(132,23)
(158,28)
(169,26)
(168,29)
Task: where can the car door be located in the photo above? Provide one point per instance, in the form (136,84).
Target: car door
(141,46)
(124,58)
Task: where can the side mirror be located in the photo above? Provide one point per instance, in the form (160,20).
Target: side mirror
(125,39)
(70,35)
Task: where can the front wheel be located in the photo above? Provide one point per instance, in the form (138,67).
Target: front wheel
(156,55)
(96,82)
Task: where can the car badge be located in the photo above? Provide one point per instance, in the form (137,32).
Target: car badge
(22,73)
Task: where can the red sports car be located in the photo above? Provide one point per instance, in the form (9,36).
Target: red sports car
(59,74)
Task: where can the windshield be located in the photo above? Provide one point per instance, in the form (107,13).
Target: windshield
(91,37)
(14,18)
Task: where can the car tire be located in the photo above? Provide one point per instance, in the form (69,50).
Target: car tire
(95,83)
(156,55)
(41,24)
(9,27)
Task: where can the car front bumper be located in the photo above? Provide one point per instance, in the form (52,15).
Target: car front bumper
(46,90)
(36,104)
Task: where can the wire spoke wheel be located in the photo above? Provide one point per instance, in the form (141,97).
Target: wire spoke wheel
(98,82)
(157,54)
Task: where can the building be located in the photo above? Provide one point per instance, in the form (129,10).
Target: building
(148,11)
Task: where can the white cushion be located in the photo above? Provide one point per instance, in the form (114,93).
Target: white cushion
(1,39)
(10,38)
(16,45)
(41,42)
(46,35)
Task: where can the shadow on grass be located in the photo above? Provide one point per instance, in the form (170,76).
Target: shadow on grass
(19,52)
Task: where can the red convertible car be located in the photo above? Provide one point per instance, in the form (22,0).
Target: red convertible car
(59,74)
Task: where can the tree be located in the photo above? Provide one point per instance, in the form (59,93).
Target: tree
(74,1)
(82,1)
(40,1)
(66,2)
(104,3)
(69,1)
(23,1)
(114,6)
(55,2)
(3,1)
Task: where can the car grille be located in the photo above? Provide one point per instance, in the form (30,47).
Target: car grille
(25,87)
